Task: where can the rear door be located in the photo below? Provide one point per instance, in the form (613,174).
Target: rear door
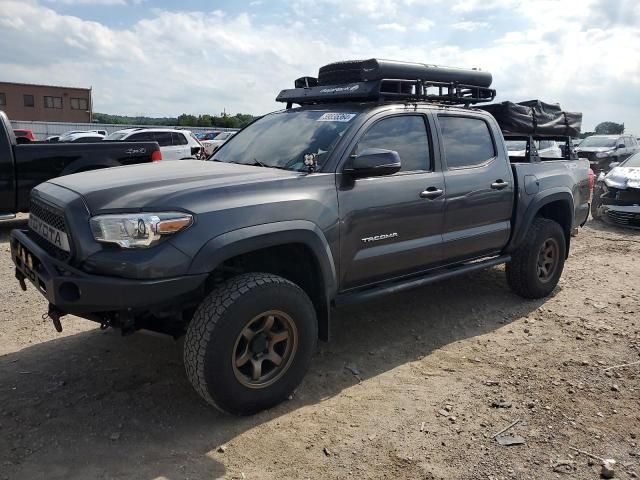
(181,145)
(389,226)
(169,151)
(479,183)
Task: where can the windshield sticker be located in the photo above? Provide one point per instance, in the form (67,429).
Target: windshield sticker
(336,117)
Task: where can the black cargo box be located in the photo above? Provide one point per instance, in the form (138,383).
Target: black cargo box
(378,69)
(535,117)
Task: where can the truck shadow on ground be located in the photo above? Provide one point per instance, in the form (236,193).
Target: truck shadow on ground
(95,405)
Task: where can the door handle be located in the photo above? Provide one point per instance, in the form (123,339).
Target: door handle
(499,184)
(431,193)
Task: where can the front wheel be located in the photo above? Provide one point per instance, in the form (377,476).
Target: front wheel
(535,268)
(250,343)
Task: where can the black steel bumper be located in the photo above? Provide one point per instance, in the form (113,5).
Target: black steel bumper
(76,292)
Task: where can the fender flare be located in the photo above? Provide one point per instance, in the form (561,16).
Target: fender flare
(248,239)
(84,164)
(541,199)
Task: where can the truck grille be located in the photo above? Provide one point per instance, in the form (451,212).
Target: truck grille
(53,216)
(628,219)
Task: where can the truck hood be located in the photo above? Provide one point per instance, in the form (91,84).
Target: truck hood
(178,185)
(623,177)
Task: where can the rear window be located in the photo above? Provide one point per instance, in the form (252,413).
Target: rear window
(116,136)
(467,141)
(179,139)
(164,139)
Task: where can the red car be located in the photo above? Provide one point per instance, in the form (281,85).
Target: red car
(28,134)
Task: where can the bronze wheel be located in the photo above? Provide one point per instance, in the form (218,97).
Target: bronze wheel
(548,260)
(264,349)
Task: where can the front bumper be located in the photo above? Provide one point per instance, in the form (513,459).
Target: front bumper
(76,292)
(622,216)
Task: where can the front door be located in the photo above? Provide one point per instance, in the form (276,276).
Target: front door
(391,225)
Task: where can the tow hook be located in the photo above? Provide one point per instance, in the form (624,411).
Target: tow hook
(20,276)
(55,314)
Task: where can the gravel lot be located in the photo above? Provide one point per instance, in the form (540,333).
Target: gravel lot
(413,386)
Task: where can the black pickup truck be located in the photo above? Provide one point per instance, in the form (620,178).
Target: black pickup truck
(367,188)
(25,165)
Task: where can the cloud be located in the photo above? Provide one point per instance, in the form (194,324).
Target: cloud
(469,26)
(172,62)
(396,27)
(88,2)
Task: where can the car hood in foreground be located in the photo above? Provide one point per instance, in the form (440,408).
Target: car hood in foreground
(185,184)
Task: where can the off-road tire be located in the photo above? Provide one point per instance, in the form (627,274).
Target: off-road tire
(596,202)
(522,274)
(212,335)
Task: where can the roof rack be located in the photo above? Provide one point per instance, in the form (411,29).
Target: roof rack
(388,80)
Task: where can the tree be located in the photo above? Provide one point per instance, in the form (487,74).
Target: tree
(609,128)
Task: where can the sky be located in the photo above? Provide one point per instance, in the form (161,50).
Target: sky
(164,58)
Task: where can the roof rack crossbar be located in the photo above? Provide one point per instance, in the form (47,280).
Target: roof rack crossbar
(450,93)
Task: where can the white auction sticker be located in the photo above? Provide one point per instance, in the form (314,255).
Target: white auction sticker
(336,117)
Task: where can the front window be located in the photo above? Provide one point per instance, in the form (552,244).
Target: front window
(281,140)
(601,142)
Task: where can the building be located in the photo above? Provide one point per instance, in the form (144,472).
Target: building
(46,103)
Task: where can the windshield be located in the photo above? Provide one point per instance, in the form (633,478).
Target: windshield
(598,142)
(116,136)
(281,140)
(516,145)
(632,161)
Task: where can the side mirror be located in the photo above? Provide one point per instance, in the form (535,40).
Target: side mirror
(621,145)
(614,164)
(374,162)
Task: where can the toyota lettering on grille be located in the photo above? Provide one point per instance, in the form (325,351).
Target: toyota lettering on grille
(49,233)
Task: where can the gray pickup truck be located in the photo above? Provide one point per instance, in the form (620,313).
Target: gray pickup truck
(367,188)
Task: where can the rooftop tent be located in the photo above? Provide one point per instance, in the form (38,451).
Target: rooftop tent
(535,117)
(390,80)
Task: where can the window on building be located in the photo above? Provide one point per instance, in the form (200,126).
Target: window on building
(3,98)
(467,141)
(52,102)
(79,104)
(29,101)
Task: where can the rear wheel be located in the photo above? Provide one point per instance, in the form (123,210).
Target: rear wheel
(535,268)
(250,343)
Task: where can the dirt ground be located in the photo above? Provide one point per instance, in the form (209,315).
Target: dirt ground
(411,387)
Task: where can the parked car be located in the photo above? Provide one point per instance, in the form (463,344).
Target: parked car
(84,137)
(616,196)
(24,135)
(207,135)
(346,198)
(210,146)
(546,148)
(23,166)
(174,144)
(602,150)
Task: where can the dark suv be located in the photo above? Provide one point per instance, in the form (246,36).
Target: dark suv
(602,150)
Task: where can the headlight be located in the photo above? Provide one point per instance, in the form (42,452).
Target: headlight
(138,230)
(604,154)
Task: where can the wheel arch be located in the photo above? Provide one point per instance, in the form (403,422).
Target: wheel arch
(296,250)
(557,205)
